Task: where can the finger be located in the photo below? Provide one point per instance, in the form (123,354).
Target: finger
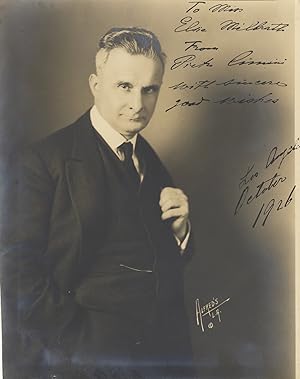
(171,203)
(166,190)
(181,210)
(176,212)
(170,192)
(176,196)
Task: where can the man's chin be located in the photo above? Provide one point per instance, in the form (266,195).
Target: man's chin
(134,127)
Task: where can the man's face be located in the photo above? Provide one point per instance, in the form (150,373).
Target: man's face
(126,90)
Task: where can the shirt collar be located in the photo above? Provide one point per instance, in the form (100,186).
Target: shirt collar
(110,135)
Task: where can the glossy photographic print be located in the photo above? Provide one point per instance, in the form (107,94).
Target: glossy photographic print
(148,189)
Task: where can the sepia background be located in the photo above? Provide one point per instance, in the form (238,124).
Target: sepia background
(48,54)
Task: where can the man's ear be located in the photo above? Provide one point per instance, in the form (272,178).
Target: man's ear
(94,83)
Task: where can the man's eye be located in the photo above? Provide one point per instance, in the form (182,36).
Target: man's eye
(149,90)
(125,86)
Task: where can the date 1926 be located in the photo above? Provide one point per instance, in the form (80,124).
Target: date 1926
(266,209)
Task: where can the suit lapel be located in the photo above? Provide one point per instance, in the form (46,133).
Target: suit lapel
(87,187)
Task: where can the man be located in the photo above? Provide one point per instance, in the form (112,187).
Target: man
(96,249)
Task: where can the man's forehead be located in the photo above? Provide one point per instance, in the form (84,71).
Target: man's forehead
(120,63)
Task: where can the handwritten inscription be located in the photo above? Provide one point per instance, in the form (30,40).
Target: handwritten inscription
(263,187)
(187,24)
(250,99)
(195,6)
(194,45)
(200,56)
(242,59)
(215,8)
(225,8)
(230,82)
(187,103)
(275,157)
(256,26)
(248,177)
(212,309)
(245,58)
(277,205)
(252,187)
(187,61)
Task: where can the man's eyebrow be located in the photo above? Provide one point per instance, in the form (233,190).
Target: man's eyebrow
(123,82)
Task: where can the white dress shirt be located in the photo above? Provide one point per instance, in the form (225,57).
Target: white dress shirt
(114,141)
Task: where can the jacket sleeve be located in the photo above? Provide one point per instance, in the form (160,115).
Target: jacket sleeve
(27,284)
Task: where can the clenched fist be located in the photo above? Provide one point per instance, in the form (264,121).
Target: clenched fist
(174,204)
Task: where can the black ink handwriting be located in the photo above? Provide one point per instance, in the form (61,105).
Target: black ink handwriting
(248,177)
(225,8)
(187,103)
(194,7)
(265,210)
(230,82)
(280,157)
(194,45)
(194,86)
(250,100)
(188,25)
(265,186)
(186,62)
(259,25)
(228,100)
(256,82)
(245,58)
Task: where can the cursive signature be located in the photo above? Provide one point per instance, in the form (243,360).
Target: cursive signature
(186,62)
(245,58)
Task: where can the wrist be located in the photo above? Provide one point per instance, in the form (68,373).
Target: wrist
(182,231)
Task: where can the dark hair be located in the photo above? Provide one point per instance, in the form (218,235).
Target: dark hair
(136,41)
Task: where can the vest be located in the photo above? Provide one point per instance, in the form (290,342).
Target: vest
(137,270)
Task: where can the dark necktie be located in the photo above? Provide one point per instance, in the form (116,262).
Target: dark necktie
(127,149)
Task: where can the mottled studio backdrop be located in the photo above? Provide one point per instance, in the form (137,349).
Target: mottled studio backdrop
(224,126)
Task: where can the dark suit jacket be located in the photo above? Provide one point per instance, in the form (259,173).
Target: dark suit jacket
(56,194)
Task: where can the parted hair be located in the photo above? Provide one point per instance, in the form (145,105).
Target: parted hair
(136,41)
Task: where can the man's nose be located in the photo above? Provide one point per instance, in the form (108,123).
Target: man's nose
(136,102)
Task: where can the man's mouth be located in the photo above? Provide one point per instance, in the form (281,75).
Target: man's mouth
(137,119)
